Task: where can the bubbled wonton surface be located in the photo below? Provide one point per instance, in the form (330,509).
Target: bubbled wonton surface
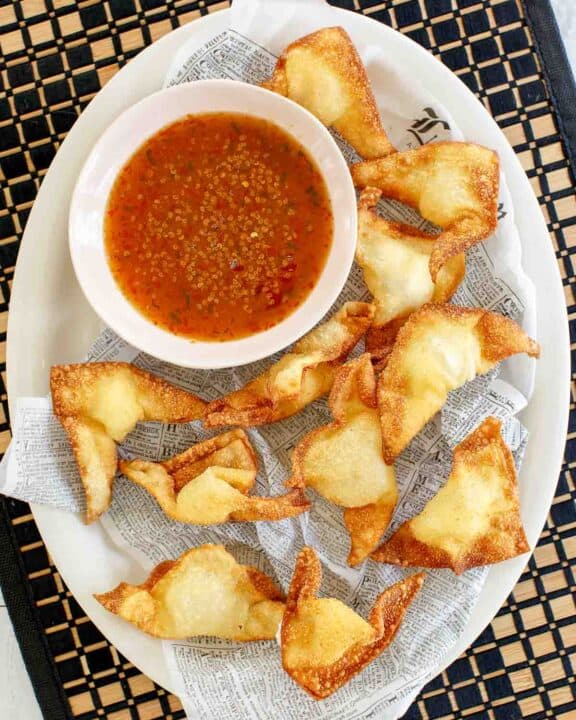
(299,377)
(323,73)
(98,404)
(343,461)
(395,260)
(208,484)
(475,517)
(452,184)
(204,592)
(440,348)
(324,642)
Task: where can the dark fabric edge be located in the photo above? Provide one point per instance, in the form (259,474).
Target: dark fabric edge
(28,630)
(557,70)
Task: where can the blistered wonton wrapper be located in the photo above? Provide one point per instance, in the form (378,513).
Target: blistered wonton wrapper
(474,519)
(324,642)
(98,404)
(343,461)
(209,484)
(323,73)
(452,184)
(440,348)
(204,592)
(300,376)
(395,260)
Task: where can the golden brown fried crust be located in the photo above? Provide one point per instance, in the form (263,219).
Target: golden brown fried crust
(279,507)
(255,404)
(249,579)
(369,198)
(193,461)
(458,238)
(97,481)
(264,584)
(380,341)
(365,524)
(380,337)
(498,338)
(452,167)
(445,287)
(354,317)
(297,477)
(405,550)
(385,617)
(328,58)
(355,373)
(502,337)
(168,403)
(356,376)
(74,388)
(247,407)
(231,450)
(113,599)
(505,537)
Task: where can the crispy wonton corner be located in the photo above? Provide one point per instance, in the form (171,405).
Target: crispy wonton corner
(328,59)
(204,592)
(474,519)
(454,185)
(327,459)
(439,349)
(98,404)
(395,263)
(301,376)
(209,484)
(324,642)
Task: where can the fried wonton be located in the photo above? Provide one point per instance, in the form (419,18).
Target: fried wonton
(204,592)
(395,262)
(324,642)
(452,184)
(474,519)
(439,349)
(209,484)
(98,404)
(323,73)
(343,461)
(301,376)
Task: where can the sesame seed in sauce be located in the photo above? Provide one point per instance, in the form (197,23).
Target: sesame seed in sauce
(218,227)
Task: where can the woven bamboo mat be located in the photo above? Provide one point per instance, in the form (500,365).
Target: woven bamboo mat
(55,55)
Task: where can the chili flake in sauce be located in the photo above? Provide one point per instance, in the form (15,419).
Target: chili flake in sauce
(218,227)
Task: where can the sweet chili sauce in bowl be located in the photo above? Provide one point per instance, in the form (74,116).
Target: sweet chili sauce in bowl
(213,224)
(219,226)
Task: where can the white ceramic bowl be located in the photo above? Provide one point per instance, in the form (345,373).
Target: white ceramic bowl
(114,148)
